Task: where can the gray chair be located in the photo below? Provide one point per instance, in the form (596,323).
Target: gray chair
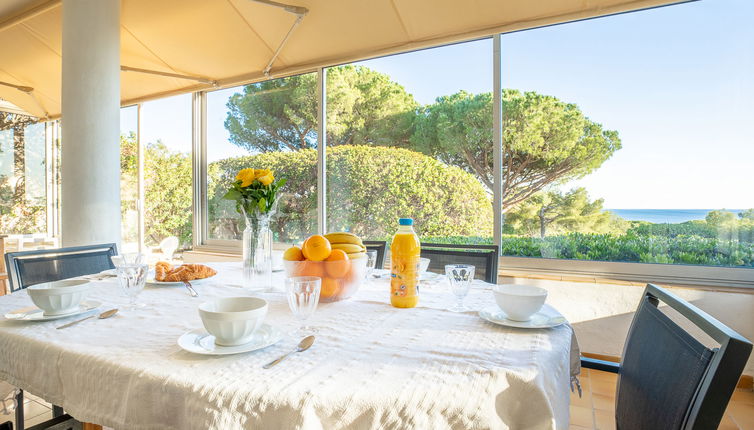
(667,379)
(28,268)
(482,257)
(381,247)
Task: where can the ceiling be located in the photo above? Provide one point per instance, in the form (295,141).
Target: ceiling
(232,41)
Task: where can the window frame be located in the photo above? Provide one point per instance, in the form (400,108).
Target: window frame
(715,277)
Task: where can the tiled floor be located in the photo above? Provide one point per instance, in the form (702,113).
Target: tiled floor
(596,408)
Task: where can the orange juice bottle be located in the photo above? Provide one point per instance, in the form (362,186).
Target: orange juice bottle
(404,268)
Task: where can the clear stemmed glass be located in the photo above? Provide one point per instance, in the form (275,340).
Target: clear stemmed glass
(303,297)
(371,262)
(460,277)
(127,258)
(132,278)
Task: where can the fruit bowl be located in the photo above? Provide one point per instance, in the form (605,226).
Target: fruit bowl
(340,279)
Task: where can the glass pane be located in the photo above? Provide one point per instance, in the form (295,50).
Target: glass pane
(268,125)
(410,135)
(23,192)
(626,145)
(166,135)
(129,179)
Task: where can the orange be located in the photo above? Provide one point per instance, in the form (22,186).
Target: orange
(316,248)
(310,268)
(330,288)
(337,264)
(293,254)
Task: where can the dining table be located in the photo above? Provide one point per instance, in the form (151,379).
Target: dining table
(372,366)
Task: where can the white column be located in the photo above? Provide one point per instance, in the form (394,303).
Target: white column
(90,153)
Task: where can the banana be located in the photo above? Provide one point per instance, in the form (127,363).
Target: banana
(349,248)
(344,237)
(356,255)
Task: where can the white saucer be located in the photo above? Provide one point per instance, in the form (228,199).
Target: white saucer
(200,342)
(547,317)
(33,313)
(152,281)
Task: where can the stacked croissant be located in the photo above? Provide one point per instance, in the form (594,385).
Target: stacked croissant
(165,272)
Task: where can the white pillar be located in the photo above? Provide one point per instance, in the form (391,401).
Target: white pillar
(90,158)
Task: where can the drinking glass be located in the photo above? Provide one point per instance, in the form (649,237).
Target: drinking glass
(132,278)
(127,258)
(371,262)
(303,297)
(460,277)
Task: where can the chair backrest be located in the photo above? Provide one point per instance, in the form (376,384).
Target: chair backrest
(670,380)
(482,257)
(45,265)
(381,247)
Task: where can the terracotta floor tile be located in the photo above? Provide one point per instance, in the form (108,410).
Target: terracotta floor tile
(743,396)
(572,427)
(581,416)
(603,387)
(33,409)
(604,420)
(742,414)
(727,424)
(585,400)
(603,376)
(603,402)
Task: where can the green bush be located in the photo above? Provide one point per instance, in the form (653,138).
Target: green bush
(627,248)
(369,188)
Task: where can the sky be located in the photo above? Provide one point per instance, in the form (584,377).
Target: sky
(675,82)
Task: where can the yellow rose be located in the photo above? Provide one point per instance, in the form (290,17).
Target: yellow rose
(266,179)
(246,176)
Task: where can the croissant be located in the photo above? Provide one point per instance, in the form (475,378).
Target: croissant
(165,272)
(161,269)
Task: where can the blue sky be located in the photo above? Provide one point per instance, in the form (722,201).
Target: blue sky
(675,82)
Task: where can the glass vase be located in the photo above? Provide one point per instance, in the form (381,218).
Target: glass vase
(257,251)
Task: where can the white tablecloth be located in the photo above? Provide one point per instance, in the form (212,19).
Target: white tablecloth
(372,366)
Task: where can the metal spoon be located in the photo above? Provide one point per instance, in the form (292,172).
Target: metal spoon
(305,344)
(103,315)
(192,291)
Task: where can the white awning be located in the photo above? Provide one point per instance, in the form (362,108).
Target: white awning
(229,42)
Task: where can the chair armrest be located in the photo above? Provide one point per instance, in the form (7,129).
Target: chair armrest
(605,366)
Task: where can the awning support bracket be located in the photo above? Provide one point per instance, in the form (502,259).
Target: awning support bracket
(300,13)
(30,92)
(169,74)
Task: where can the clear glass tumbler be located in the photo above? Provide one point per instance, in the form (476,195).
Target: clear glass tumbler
(371,262)
(132,278)
(460,277)
(303,297)
(127,258)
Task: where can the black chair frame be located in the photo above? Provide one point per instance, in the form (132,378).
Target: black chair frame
(381,247)
(491,253)
(15,260)
(722,374)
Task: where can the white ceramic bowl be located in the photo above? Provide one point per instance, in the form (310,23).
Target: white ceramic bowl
(233,320)
(519,302)
(59,297)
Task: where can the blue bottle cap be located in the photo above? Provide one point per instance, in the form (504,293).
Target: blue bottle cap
(405,221)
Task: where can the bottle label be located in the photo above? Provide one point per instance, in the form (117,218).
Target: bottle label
(404,277)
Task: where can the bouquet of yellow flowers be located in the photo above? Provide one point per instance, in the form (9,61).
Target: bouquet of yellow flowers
(254,189)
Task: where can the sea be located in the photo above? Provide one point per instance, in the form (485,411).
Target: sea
(671,216)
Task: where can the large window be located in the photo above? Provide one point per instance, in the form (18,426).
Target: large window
(410,135)
(23,175)
(618,145)
(269,125)
(129,178)
(627,138)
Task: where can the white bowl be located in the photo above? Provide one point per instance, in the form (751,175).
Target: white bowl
(233,320)
(519,302)
(59,297)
